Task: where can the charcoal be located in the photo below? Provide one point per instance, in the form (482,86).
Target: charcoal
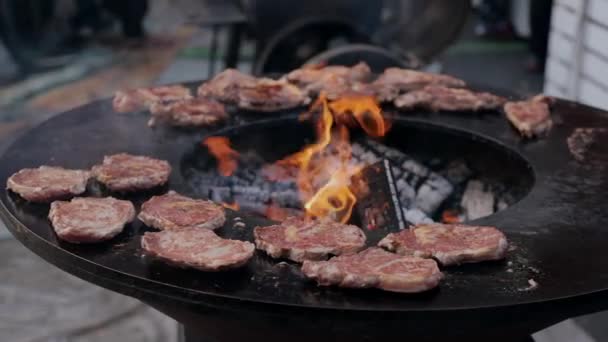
(414,167)
(397,172)
(407,194)
(477,201)
(251,193)
(288,199)
(416,216)
(369,157)
(457,171)
(432,193)
(220,194)
(357,150)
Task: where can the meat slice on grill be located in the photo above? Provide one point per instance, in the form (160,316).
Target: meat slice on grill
(298,239)
(127,172)
(194,112)
(48,183)
(196,248)
(173,211)
(532,117)
(88,219)
(376,268)
(225,86)
(268,95)
(395,81)
(437,98)
(450,244)
(313,79)
(141,98)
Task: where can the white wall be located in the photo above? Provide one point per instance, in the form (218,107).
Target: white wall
(577,65)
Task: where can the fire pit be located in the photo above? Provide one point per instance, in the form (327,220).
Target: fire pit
(548,202)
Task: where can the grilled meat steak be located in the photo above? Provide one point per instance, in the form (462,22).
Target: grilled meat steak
(225,86)
(532,117)
(197,248)
(126,172)
(395,81)
(376,268)
(173,211)
(448,243)
(88,220)
(268,95)
(437,98)
(299,240)
(48,183)
(140,99)
(313,79)
(188,113)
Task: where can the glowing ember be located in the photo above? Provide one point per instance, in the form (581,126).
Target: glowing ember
(450,216)
(233,205)
(326,167)
(226,157)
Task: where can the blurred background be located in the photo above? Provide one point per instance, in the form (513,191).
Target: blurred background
(59,54)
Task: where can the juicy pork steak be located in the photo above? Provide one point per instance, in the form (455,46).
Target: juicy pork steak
(268,95)
(313,79)
(438,98)
(126,172)
(395,81)
(532,117)
(88,219)
(225,86)
(376,268)
(195,112)
(48,183)
(139,99)
(450,244)
(299,240)
(197,248)
(173,211)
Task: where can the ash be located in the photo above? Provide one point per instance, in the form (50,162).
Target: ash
(425,190)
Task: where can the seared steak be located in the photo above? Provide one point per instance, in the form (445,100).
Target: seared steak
(377,268)
(225,86)
(48,183)
(126,172)
(268,95)
(532,117)
(140,99)
(395,81)
(197,248)
(448,243)
(313,79)
(88,220)
(174,211)
(188,113)
(299,240)
(437,98)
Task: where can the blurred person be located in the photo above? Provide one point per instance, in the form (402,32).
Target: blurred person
(540,22)
(494,19)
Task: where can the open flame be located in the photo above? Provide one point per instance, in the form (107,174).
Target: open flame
(326,167)
(234,205)
(227,158)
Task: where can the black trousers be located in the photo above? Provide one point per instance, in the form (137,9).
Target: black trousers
(540,23)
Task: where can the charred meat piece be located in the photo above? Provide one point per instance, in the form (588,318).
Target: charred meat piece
(89,220)
(450,244)
(582,140)
(173,211)
(438,98)
(195,112)
(197,248)
(139,99)
(127,172)
(376,268)
(313,78)
(532,117)
(299,240)
(268,95)
(225,86)
(48,183)
(395,81)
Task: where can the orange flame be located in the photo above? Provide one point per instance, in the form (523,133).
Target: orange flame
(450,216)
(326,167)
(226,157)
(234,206)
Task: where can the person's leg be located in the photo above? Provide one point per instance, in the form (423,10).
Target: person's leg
(540,22)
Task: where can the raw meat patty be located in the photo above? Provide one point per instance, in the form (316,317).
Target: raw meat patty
(450,99)
(174,211)
(300,240)
(395,81)
(88,220)
(48,183)
(377,268)
(225,86)
(532,117)
(126,172)
(139,99)
(188,113)
(197,248)
(448,243)
(268,95)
